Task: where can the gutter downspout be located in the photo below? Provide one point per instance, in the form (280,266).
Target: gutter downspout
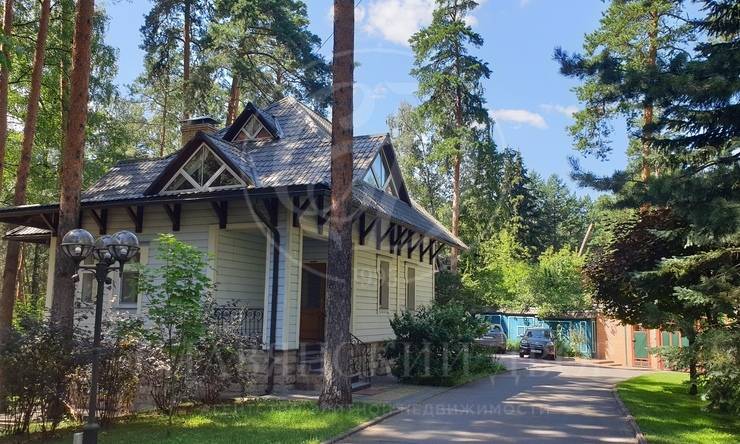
(271,225)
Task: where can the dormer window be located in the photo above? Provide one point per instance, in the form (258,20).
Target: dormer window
(204,171)
(379,175)
(253,130)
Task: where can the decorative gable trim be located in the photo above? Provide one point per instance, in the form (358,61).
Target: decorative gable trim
(269,124)
(172,170)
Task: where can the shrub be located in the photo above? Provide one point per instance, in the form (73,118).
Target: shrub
(36,365)
(512,344)
(118,379)
(436,346)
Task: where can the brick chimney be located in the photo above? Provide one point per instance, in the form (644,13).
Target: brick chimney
(189,127)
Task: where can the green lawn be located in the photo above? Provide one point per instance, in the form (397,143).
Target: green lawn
(667,414)
(259,421)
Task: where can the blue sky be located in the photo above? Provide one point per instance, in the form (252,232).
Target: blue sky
(529,99)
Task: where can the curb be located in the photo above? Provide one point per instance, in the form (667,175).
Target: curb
(639,436)
(364,425)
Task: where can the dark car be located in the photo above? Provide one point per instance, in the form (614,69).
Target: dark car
(537,342)
(494,338)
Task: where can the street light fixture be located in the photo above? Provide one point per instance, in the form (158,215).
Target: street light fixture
(78,244)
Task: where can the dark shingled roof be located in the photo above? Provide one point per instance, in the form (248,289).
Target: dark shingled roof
(300,156)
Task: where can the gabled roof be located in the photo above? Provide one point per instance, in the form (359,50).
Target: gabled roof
(224,150)
(300,158)
(250,110)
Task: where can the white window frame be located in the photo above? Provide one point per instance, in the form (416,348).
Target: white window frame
(247,136)
(388,181)
(207,186)
(410,307)
(143,261)
(380,259)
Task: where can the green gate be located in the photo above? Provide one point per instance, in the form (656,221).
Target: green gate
(639,340)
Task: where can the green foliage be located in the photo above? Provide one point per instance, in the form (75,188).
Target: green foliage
(175,293)
(36,367)
(435,345)
(557,284)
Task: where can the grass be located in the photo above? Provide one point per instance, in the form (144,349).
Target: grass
(254,421)
(667,414)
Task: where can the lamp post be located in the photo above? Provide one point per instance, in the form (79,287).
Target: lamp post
(78,244)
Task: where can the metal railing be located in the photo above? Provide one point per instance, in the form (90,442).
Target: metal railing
(360,364)
(248,321)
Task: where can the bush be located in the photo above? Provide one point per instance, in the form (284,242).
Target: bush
(512,344)
(118,380)
(436,346)
(37,365)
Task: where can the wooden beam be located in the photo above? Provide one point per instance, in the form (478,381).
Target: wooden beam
(174,214)
(413,245)
(137,217)
(423,250)
(380,237)
(364,227)
(222,212)
(436,252)
(298,209)
(398,240)
(50,222)
(101,219)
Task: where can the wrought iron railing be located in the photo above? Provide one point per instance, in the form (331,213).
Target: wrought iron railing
(360,364)
(247,321)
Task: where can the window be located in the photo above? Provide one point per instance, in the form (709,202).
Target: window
(410,289)
(252,130)
(130,282)
(204,171)
(379,175)
(384,283)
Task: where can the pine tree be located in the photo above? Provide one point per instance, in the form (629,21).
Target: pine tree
(169,31)
(635,40)
(62,310)
(336,391)
(450,87)
(12,254)
(6,51)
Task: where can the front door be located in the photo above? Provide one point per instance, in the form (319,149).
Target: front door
(313,291)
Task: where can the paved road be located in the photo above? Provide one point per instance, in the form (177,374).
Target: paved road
(539,402)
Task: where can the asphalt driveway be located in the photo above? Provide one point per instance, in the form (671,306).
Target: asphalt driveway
(536,402)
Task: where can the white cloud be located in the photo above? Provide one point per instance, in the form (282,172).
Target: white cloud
(398,20)
(567,111)
(519,116)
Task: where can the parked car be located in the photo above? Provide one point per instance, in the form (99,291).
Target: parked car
(494,338)
(538,342)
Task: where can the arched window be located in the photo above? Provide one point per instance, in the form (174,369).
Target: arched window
(204,171)
(379,175)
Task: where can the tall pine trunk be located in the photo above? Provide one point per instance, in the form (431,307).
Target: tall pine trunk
(456,166)
(4,74)
(234,95)
(186,35)
(165,110)
(336,392)
(648,107)
(12,254)
(62,309)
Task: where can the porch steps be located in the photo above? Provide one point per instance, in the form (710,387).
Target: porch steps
(311,366)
